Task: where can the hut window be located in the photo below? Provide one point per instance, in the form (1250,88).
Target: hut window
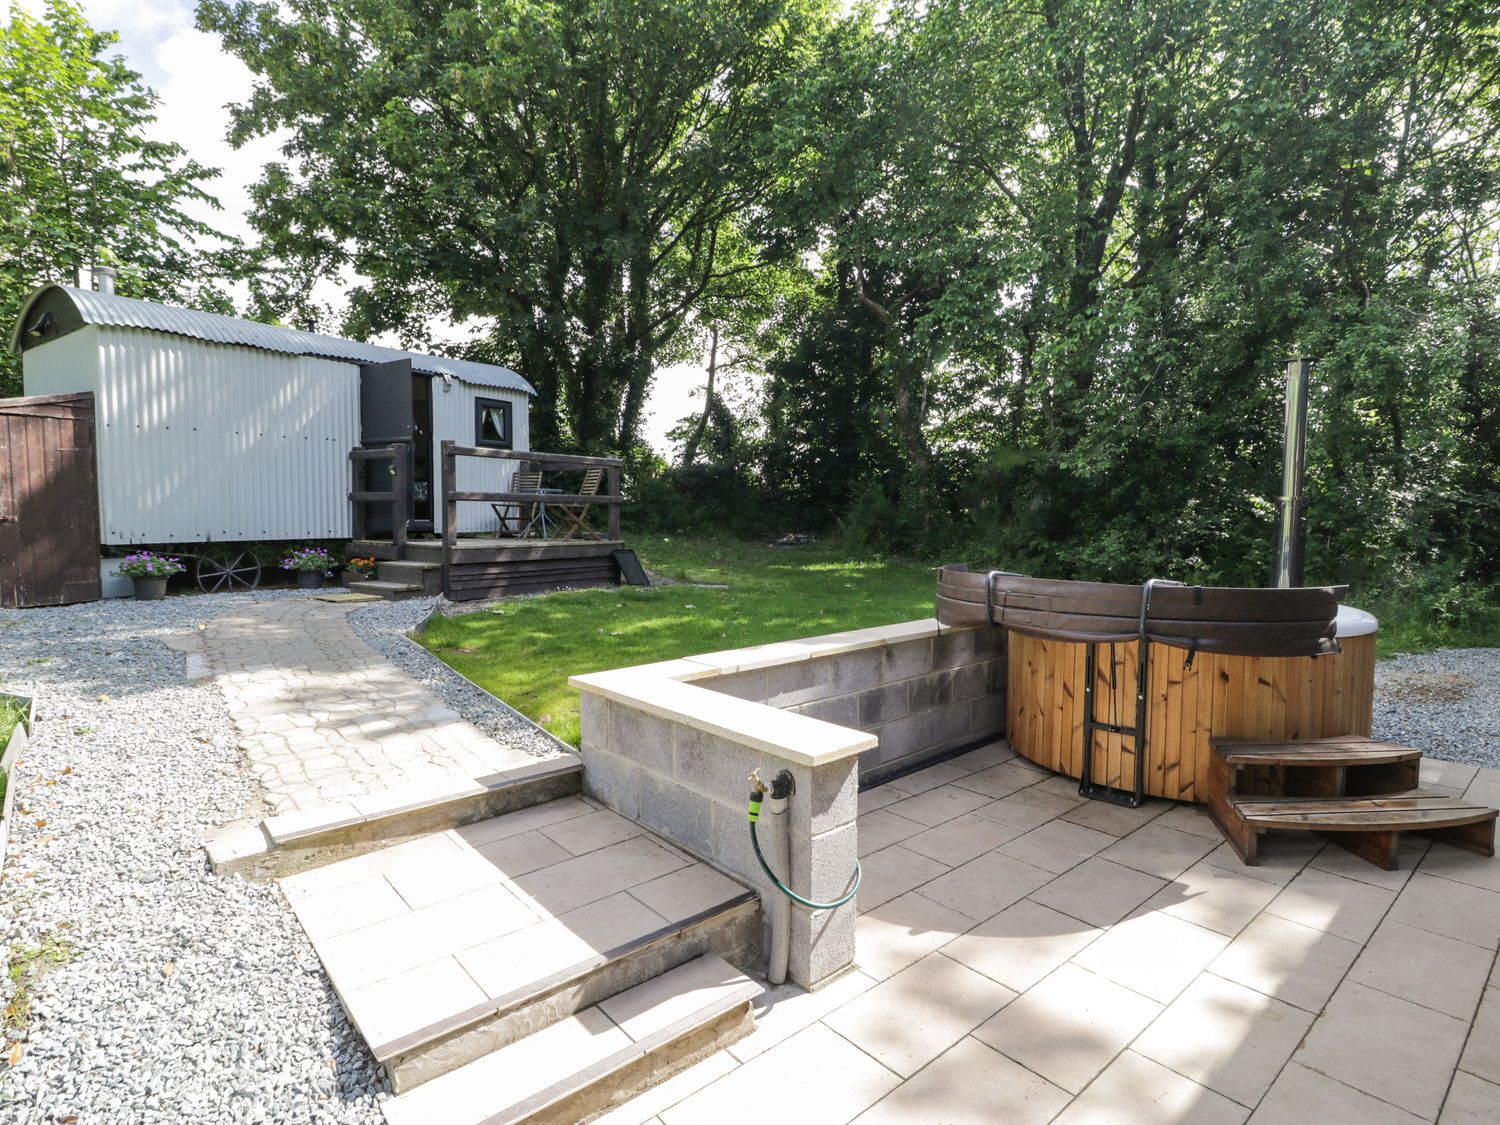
(492,423)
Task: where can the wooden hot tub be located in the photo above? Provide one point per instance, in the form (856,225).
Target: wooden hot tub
(1268,697)
(1226,662)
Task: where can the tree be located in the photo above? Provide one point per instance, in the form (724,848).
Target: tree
(80,181)
(1088,231)
(560,172)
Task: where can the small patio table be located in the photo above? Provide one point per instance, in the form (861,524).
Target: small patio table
(540,519)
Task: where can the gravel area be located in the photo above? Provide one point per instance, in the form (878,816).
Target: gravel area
(180,996)
(382,625)
(1445,703)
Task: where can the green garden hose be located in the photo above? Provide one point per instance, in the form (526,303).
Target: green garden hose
(755,796)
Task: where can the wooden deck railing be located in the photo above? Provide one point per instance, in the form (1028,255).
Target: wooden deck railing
(526,460)
(397,497)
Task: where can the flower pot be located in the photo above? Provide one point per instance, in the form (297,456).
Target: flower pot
(309,579)
(149,589)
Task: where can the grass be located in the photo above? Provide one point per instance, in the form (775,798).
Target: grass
(28,964)
(525,649)
(1411,626)
(728,594)
(12,714)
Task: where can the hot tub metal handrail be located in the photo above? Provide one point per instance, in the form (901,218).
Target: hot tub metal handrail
(1137,733)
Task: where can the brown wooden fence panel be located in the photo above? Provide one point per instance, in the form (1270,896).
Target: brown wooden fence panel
(49,501)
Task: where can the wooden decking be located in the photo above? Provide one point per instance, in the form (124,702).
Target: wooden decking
(556,553)
(493,568)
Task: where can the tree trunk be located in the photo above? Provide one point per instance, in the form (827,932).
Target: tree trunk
(695,439)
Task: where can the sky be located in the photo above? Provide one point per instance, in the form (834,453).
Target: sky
(197,80)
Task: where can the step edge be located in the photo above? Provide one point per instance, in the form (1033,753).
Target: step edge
(1355,830)
(1316,757)
(512,1001)
(601,1070)
(1296,799)
(240,848)
(480,786)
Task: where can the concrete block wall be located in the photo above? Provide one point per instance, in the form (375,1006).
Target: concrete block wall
(692,787)
(673,745)
(920,697)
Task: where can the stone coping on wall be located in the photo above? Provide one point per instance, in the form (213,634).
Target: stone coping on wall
(675,690)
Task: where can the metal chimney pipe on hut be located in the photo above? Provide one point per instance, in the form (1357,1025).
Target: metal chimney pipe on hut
(1290,531)
(104,279)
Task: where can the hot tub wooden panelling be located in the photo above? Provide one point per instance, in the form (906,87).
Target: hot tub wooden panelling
(1228,696)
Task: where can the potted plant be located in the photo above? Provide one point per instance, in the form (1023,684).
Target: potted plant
(310,565)
(363,568)
(149,572)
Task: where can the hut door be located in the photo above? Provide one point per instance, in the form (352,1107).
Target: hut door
(386,418)
(385,407)
(49,501)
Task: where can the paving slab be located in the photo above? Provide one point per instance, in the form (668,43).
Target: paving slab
(1134,971)
(322,717)
(445,924)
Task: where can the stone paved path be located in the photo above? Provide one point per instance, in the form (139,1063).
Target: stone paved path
(323,717)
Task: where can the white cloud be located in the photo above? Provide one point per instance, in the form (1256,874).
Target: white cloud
(200,82)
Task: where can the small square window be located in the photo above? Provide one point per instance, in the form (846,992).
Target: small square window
(492,423)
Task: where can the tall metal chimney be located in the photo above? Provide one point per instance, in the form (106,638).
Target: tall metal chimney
(104,279)
(1287,570)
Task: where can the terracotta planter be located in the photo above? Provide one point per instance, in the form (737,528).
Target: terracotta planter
(149,589)
(309,579)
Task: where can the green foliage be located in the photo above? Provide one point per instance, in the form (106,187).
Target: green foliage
(701,499)
(1084,234)
(12,715)
(571,173)
(727,594)
(80,182)
(1435,606)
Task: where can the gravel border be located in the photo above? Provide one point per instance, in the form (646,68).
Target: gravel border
(1445,703)
(181,996)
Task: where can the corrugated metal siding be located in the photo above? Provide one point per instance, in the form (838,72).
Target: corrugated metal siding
(453,420)
(65,366)
(200,442)
(112,310)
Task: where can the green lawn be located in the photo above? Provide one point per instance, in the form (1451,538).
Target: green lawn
(525,649)
(11,715)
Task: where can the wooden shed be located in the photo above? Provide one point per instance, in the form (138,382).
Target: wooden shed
(49,520)
(213,429)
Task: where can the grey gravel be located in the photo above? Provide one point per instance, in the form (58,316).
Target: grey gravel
(186,997)
(1445,703)
(382,626)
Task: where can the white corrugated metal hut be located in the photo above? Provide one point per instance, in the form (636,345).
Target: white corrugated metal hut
(216,429)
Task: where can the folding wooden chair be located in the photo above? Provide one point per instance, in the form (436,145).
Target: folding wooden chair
(516,517)
(572,517)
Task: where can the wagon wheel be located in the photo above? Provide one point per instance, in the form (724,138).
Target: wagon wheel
(228,571)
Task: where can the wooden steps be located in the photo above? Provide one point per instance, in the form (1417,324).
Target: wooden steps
(491,568)
(1357,792)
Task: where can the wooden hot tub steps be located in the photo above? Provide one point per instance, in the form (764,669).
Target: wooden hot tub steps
(1356,792)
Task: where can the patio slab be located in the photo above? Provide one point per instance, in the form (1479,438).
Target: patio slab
(1133,971)
(428,935)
